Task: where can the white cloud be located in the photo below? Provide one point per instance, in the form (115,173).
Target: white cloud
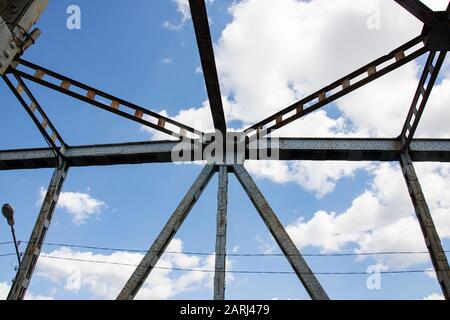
(104,281)
(4,290)
(300,46)
(267,63)
(434,296)
(81,206)
(382,218)
(167,60)
(184,10)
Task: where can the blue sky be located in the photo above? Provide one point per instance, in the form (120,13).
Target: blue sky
(127,51)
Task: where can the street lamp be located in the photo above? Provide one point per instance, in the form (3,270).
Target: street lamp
(8,213)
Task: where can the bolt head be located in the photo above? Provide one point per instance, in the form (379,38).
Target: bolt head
(8,213)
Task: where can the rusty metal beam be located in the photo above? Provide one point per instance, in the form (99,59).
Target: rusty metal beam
(298,263)
(426,84)
(114,104)
(370,72)
(419,10)
(432,240)
(205,47)
(152,256)
(221,235)
(31,256)
(16,19)
(37,114)
(316,149)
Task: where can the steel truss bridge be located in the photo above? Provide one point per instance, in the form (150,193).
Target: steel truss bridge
(16,20)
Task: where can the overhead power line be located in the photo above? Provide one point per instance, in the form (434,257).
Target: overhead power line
(236,271)
(193,253)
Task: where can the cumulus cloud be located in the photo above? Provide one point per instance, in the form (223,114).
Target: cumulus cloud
(185,14)
(382,218)
(81,206)
(434,296)
(302,46)
(105,280)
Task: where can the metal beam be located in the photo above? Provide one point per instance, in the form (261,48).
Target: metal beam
(106,102)
(205,47)
(419,10)
(298,263)
(432,240)
(370,72)
(426,84)
(16,19)
(29,260)
(316,149)
(221,235)
(37,114)
(152,256)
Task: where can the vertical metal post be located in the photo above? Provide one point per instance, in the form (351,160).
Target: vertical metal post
(298,263)
(153,254)
(432,240)
(221,236)
(28,264)
(16,246)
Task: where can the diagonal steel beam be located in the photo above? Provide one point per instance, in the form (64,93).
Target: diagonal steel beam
(205,47)
(298,263)
(419,10)
(103,100)
(152,256)
(370,72)
(432,240)
(30,258)
(221,235)
(37,114)
(426,84)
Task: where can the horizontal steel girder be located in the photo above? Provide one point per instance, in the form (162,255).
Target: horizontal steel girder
(426,150)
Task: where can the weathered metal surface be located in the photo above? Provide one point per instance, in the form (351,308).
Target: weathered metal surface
(16,18)
(32,107)
(432,240)
(298,263)
(316,149)
(221,235)
(20,15)
(31,255)
(8,47)
(114,104)
(426,84)
(151,258)
(205,47)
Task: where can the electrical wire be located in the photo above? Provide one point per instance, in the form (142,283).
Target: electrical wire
(232,254)
(76,246)
(236,271)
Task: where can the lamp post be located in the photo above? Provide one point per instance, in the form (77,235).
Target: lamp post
(8,213)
